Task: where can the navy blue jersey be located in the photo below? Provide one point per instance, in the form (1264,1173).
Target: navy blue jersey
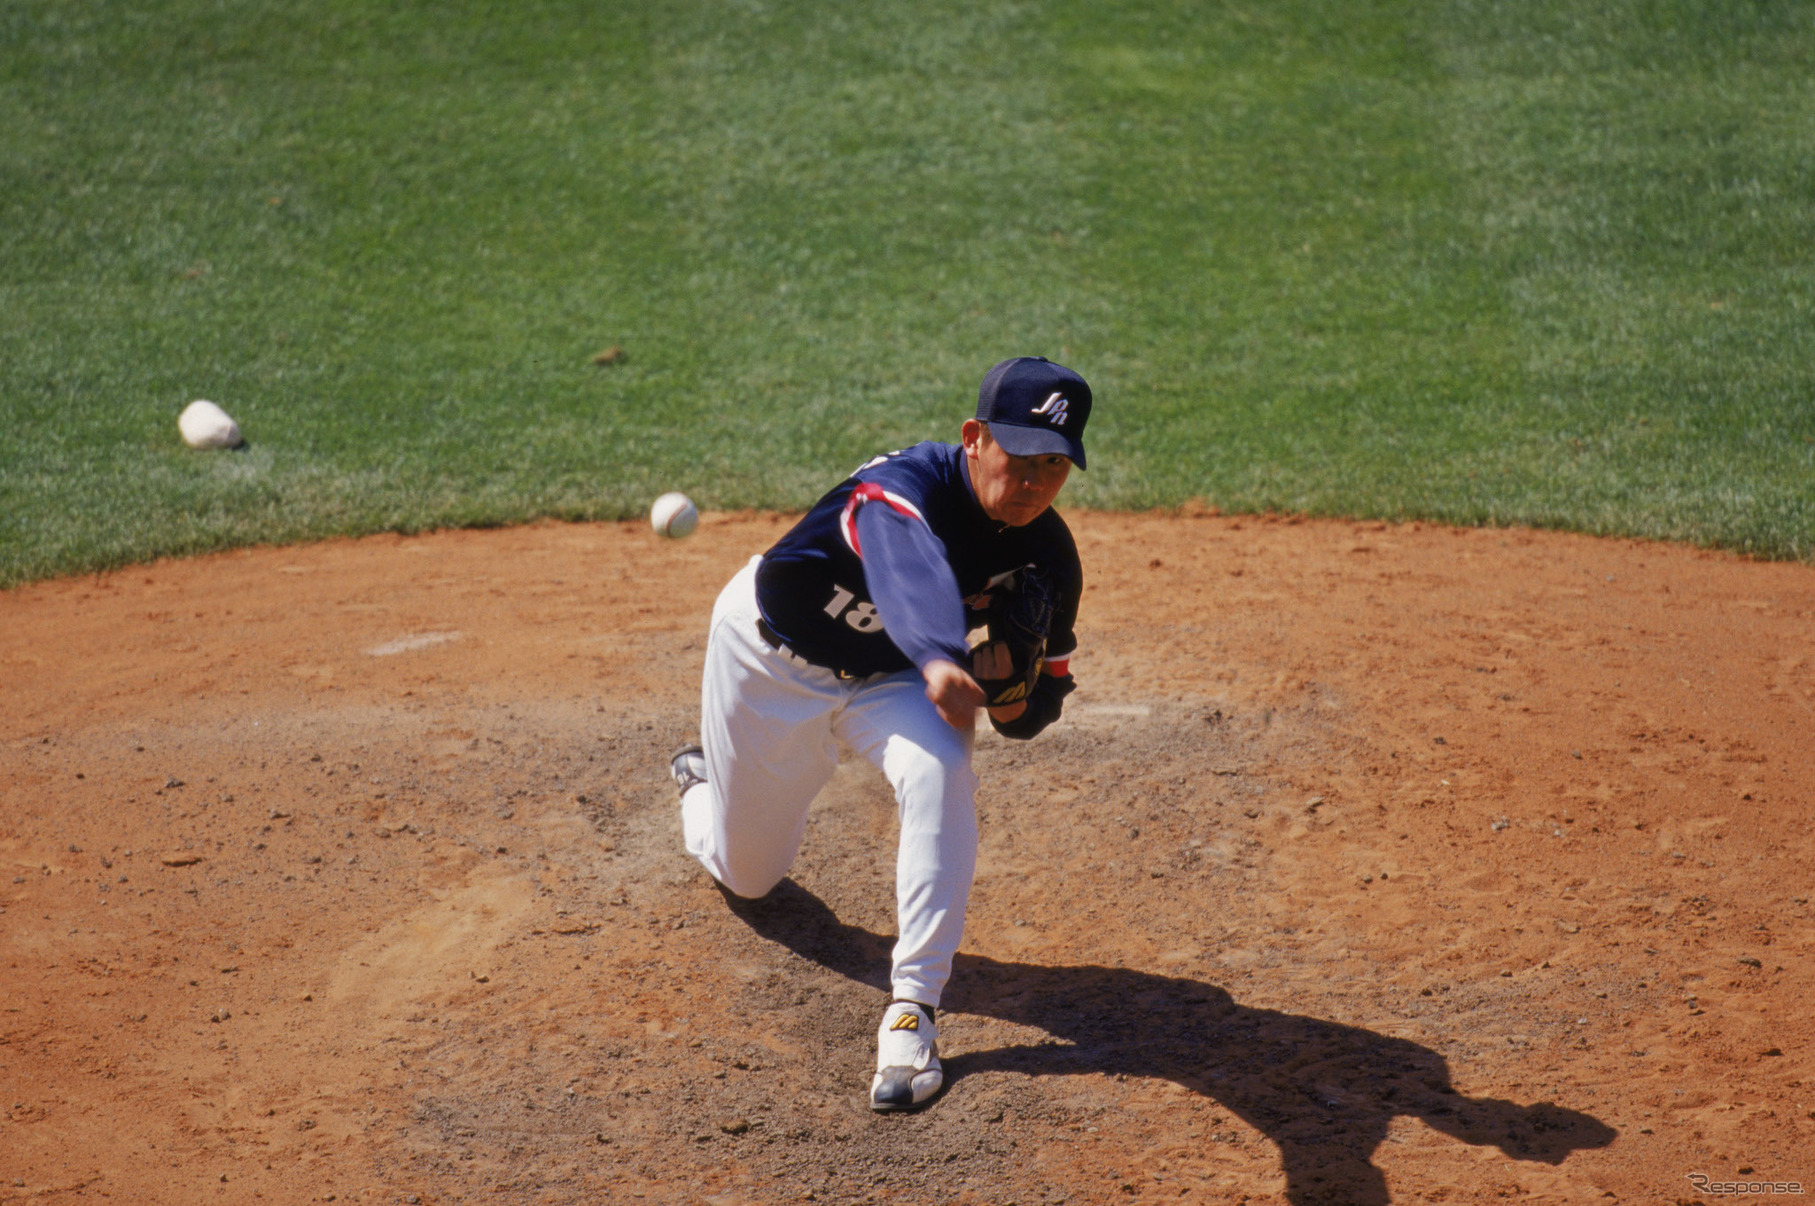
(895,565)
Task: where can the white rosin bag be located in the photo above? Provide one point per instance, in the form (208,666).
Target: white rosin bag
(205,425)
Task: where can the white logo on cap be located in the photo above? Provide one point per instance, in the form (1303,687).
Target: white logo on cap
(1054,407)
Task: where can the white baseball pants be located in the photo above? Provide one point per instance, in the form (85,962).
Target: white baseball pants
(769,724)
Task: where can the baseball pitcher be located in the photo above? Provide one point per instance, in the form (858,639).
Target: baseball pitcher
(855,627)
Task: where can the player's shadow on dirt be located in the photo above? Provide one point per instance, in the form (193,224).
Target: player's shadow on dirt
(1324,1093)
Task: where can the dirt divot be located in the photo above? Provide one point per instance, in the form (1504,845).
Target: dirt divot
(1371,863)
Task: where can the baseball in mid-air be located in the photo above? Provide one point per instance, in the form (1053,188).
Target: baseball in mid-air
(674,515)
(205,425)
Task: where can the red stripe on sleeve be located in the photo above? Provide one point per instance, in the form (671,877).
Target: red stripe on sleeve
(871,492)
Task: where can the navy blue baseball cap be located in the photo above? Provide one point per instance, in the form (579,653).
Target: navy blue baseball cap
(1035,407)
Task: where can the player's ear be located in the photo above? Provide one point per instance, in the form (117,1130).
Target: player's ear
(973,435)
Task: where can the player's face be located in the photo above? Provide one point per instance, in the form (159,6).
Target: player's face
(1014,490)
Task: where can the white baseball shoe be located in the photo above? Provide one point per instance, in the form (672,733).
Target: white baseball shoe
(907,1058)
(688,767)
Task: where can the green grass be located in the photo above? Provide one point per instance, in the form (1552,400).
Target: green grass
(1458,260)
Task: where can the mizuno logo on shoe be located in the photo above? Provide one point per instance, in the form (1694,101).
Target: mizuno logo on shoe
(907,1021)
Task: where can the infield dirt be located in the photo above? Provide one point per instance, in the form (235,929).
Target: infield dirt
(1370,863)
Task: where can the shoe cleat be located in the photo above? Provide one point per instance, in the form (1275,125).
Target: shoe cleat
(687,767)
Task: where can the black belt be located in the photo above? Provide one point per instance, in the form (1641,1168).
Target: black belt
(774,641)
(771,636)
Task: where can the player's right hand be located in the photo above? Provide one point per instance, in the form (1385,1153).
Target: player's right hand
(952,691)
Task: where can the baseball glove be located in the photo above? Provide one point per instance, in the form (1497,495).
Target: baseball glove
(1020,615)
